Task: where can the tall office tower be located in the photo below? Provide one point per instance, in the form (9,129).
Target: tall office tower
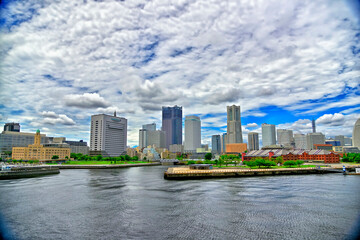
(356,134)
(234,132)
(253,141)
(347,141)
(149,127)
(268,134)
(285,137)
(156,138)
(192,133)
(172,124)
(223,142)
(341,139)
(313,126)
(143,138)
(108,134)
(314,138)
(300,141)
(12,127)
(216,144)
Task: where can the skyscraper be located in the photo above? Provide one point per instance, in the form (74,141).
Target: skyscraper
(234,132)
(12,127)
(216,144)
(192,133)
(314,138)
(356,134)
(108,134)
(143,138)
(300,141)
(223,142)
(268,134)
(313,126)
(172,124)
(253,141)
(285,137)
(149,127)
(156,138)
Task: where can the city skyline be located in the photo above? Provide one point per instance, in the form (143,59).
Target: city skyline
(60,65)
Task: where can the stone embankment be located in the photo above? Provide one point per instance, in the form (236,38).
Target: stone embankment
(180,173)
(26,172)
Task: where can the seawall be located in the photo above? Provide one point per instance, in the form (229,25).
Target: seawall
(27,172)
(186,173)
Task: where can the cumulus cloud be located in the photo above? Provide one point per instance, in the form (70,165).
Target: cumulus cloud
(251,125)
(86,100)
(52,118)
(201,54)
(335,119)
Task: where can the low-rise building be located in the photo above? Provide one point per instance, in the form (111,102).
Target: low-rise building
(37,151)
(304,155)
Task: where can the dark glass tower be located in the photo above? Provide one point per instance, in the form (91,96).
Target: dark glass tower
(172,124)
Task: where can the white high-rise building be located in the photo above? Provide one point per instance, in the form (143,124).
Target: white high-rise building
(234,131)
(108,134)
(356,134)
(285,137)
(253,141)
(268,134)
(314,138)
(300,141)
(192,133)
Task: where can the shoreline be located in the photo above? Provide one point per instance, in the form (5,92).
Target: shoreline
(103,166)
(184,173)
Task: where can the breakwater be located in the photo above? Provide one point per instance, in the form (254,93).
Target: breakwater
(27,172)
(180,173)
(106,166)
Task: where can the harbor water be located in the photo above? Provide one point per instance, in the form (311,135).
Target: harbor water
(138,203)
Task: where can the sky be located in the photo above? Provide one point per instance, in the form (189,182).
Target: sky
(284,62)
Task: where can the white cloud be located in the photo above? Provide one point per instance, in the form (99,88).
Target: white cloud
(52,118)
(335,119)
(251,125)
(86,100)
(83,58)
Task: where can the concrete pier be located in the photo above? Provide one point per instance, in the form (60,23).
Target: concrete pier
(187,173)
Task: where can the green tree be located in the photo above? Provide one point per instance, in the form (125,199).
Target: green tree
(299,162)
(127,157)
(279,159)
(208,156)
(290,163)
(55,157)
(250,163)
(135,158)
(99,158)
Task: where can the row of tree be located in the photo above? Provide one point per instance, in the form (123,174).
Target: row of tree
(260,162)
(82,157)
(351,157)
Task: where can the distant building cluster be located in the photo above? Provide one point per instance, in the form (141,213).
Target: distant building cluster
(108,137)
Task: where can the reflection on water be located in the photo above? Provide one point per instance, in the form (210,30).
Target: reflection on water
(137,203)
